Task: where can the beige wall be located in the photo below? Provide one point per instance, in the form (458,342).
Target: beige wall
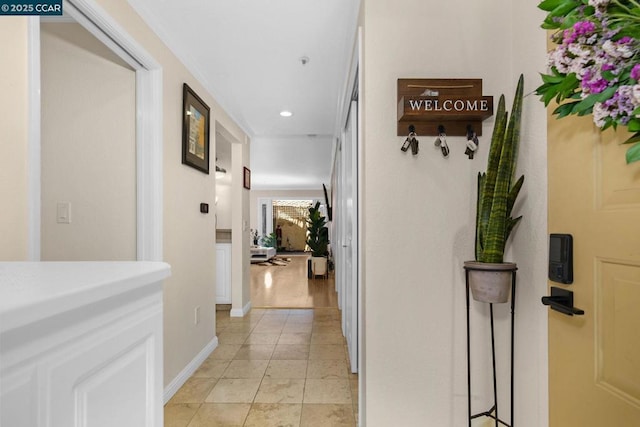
(419,216)
(240,264)
(13,139)
(88,97)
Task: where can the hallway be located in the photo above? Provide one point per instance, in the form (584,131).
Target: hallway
(286,285)
(274,367)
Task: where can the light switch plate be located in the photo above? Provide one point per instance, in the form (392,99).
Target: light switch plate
(63,213)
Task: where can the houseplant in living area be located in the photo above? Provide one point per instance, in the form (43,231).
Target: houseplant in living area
(489,276)
(317,240)
(268,241)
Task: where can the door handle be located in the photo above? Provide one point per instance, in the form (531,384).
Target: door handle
(562,300)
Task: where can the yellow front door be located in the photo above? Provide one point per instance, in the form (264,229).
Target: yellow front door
(594,359)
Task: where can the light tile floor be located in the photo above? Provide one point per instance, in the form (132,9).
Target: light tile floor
(273,367)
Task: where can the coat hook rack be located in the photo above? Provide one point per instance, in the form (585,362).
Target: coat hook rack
(454,103)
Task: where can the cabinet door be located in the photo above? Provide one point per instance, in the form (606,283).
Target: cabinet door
(18,408)
(111,378)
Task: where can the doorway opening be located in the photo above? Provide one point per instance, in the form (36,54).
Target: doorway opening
(148,128)
(88,184)
(284,281)
(290,225)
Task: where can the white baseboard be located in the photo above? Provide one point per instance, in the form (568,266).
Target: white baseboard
(236,312)
(188,370)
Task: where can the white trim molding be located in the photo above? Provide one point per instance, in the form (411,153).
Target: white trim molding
(149,164)
(34,150)
(237,312)
(188,370)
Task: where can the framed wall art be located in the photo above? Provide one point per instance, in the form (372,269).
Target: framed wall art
(246,182)
(195,130)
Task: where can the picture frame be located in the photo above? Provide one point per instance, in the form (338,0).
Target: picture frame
(195,130)
(246,182)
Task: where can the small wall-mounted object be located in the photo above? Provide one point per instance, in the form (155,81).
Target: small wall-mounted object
(411,141)
(441,141)
(562,300)
(472,142)
(204,208)
(453,103)
(561,258)
(246,181)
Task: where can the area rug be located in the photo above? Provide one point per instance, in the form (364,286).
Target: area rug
(279,261)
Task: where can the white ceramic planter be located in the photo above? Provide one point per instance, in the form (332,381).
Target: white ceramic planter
(318,266)
(490,282)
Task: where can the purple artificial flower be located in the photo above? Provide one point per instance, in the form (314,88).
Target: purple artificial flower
(569,36)
(594,86)
(599,57)
(618,108)
(584,27)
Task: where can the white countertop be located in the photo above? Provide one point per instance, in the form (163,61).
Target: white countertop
(32,291)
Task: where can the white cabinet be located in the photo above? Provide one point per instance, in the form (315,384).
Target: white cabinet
(81,344)
(223,273)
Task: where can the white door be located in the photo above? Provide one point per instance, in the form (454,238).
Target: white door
(338,250)
(349,239)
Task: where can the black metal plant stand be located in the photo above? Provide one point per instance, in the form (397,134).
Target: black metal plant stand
(493,412)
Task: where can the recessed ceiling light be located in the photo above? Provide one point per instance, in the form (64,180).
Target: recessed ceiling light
(286,113)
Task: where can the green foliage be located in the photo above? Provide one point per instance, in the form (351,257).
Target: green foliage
(633,153)
(497,191)
(318,237)
(611,22)
(561,13)
(269,241)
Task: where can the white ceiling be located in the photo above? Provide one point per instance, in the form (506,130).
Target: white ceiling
(291,163)
(247,54)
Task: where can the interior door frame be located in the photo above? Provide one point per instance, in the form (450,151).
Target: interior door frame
(149,188)
(349,296)
(353,84)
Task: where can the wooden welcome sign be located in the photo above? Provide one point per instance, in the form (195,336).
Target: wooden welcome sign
(452,103)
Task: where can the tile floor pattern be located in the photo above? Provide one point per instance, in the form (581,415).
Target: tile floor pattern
(271,368)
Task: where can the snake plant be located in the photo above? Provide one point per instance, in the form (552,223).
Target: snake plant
(497,190)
